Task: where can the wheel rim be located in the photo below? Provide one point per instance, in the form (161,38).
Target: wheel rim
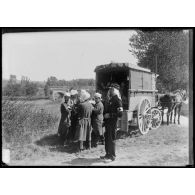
(144,116)
(156,118)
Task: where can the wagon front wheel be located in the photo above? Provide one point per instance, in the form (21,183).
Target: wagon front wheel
(156,118)
(144,116)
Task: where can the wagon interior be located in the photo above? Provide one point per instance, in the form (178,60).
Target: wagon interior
(114,75)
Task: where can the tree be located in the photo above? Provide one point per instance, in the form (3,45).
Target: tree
(170,48)
(46,90)
(31,89)
(12,90)
(25,81)
(20,89)
(52,81)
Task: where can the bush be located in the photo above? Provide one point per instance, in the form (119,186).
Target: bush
(12,90)
(22,121)
(29,89)
(46,90)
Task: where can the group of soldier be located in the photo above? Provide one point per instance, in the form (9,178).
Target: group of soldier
(81,118)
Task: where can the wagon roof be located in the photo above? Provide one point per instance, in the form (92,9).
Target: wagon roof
(120,65)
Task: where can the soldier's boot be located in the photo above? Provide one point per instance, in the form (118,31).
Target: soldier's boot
(80,145)
(102,141)
(89,145)
(95,143)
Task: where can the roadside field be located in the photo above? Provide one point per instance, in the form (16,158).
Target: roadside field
(166,146)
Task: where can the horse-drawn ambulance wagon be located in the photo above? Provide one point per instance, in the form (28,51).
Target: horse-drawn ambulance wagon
(138,92)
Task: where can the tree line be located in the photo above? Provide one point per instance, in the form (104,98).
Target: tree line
(53,81)
(71,84)
(25,87)
(165,52)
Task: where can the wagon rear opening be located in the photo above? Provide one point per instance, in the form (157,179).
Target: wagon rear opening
(119,76)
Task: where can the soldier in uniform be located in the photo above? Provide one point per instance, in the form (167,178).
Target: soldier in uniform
(112,111)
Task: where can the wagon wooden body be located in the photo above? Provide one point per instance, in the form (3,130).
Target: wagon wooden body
(138,92)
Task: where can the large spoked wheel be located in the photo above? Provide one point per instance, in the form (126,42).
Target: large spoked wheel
(144,116)
(156,118)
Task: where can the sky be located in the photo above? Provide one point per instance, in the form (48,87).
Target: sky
(65,55)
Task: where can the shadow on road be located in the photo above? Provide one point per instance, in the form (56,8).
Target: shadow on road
(83,161)
(49,140)
(55,144)
(71,148)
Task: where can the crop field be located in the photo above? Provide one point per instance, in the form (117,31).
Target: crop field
(29,131)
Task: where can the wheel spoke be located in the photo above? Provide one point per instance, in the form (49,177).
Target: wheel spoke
(156,118)
(143,126)
(144,116)
(140,123)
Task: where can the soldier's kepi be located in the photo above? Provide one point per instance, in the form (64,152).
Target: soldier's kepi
(112,113)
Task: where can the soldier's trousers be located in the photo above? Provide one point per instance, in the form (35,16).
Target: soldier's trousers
(110,137)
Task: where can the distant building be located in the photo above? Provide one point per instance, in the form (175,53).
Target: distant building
(13,79)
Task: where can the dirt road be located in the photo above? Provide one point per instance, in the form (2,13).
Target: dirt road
(166,146)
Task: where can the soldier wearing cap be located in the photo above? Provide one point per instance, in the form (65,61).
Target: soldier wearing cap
(65,122)
(97,119)
(112,111)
